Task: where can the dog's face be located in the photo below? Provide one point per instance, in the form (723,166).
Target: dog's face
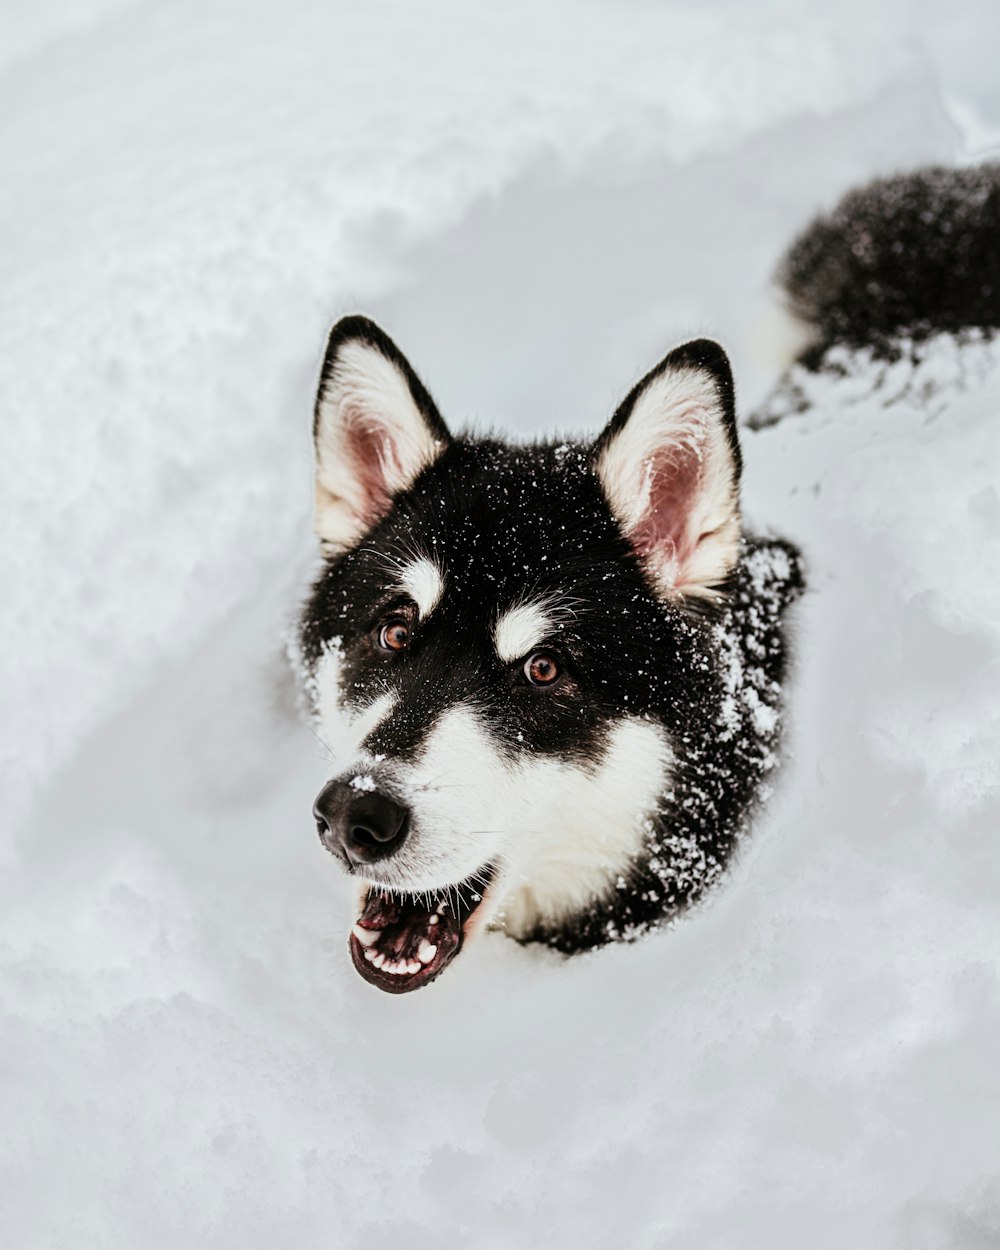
(496,642)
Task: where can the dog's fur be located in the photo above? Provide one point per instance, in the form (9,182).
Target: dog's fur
(593,805)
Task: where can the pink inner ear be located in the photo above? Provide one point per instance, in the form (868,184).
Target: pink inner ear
(370,451)
(663,531)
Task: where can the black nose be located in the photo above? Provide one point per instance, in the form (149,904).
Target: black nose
(360,825)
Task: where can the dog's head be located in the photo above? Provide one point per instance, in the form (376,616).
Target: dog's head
(496,642)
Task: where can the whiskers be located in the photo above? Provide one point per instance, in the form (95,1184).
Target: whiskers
(434,784)
(330,754)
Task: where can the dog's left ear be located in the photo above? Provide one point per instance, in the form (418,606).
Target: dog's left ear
(376,429)
(669,464)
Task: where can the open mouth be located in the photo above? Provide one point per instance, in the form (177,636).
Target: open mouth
(403,941)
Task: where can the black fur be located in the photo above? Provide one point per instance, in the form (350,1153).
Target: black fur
(911,256)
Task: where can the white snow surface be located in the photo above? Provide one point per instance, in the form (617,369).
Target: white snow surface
(537,201)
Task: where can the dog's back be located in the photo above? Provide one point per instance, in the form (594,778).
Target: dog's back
(908,256)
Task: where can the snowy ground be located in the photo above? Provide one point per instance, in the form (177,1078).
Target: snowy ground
(536,201)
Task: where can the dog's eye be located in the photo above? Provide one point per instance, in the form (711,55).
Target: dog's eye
(394,635)
(542,669)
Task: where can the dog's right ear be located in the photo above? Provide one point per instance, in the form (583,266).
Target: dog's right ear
(376,429)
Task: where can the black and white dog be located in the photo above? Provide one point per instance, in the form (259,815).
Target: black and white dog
(551,675)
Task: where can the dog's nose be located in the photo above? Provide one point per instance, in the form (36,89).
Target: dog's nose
(360,825)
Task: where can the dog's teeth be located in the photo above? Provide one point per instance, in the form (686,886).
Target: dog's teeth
(434,919)
(379,960)
(426,951)
(413,966)
(367,937)
(369,954)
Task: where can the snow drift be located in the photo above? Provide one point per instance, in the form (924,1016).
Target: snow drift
(536,203)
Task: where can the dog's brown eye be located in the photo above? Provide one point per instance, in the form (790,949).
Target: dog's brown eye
(394,635)
(542,669)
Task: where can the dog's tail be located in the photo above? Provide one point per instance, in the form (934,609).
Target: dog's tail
(904,257)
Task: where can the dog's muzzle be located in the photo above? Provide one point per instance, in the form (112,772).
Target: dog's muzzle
(402,940)
(359,826)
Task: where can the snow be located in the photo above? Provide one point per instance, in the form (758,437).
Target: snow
(537,201)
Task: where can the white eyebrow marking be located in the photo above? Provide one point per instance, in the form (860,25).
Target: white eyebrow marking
(423,581)
(521,629)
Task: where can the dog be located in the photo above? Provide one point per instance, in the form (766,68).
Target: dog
(551,675)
